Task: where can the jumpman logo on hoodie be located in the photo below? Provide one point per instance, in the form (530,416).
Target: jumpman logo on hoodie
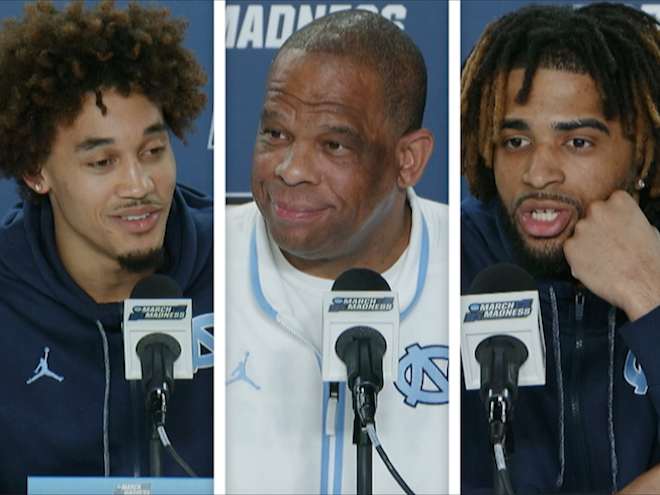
(240,373)
(43,370)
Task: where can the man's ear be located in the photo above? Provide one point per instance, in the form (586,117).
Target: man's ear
(413,153)
(37,182)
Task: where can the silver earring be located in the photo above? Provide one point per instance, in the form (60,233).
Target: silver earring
(640,184)
(37,187)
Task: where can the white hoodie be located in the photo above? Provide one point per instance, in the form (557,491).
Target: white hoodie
(284,433)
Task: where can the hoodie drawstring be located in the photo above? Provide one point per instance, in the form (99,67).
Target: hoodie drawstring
(556,348)
(106,400)
(611,321)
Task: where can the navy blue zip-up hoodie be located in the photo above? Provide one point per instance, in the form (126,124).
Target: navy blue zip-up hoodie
(594,426)
(85,418)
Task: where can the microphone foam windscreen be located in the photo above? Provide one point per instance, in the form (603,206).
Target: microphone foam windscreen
(361,279)
(502,277)
(156,286)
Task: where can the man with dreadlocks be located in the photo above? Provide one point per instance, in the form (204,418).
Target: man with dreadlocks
(560,130)
(339,147)
(87,101)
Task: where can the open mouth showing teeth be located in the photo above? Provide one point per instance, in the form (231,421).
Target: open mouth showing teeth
(546,215)
(134,218)
(543,221)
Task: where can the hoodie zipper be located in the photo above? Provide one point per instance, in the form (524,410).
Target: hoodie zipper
(577,355)
(575,402)
(332,409)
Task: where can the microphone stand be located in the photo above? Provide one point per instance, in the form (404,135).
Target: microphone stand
(157,353)
(364,458)
(155,465)
(497,426)
(362,349)
(157,409)
(364,406)
(500,358)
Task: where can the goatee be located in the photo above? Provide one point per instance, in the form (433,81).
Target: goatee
(540,263)
(142,261)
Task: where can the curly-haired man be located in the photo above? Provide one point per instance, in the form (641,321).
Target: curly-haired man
(560,143)
(88,99)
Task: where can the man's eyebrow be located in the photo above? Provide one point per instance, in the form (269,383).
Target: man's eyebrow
(89,144)
(342,129)
(267,114)
(515,124)
(570,125)
(155,128)
(581,123)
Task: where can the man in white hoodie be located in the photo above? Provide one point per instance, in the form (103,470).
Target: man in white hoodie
(339,148)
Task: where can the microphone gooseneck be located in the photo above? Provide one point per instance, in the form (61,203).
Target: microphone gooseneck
(501,356)
(362,348)
(157,351)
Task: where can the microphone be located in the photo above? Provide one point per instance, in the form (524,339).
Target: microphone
(157,350)
(360,330)
(157,339)
(502,342)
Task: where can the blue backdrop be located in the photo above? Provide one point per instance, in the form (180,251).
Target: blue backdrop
(254,31)
(194,160)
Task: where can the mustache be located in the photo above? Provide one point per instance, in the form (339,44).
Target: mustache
(285,194)
(548,196)
(140,202)
(151,203)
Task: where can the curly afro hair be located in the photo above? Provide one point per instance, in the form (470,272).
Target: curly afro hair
(50,59)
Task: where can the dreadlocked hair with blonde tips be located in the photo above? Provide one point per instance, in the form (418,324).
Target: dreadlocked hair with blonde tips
(616,45)
(50,59)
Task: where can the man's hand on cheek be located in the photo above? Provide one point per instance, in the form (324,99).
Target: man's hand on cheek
(615,253)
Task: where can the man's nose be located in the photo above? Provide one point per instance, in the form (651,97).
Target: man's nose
(135,181)
(298,165)
(543,168)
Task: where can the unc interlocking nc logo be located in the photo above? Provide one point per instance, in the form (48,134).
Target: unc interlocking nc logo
(420,378)
(634,374)
(202,341)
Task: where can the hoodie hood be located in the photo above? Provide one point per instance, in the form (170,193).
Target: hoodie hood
(29,256)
